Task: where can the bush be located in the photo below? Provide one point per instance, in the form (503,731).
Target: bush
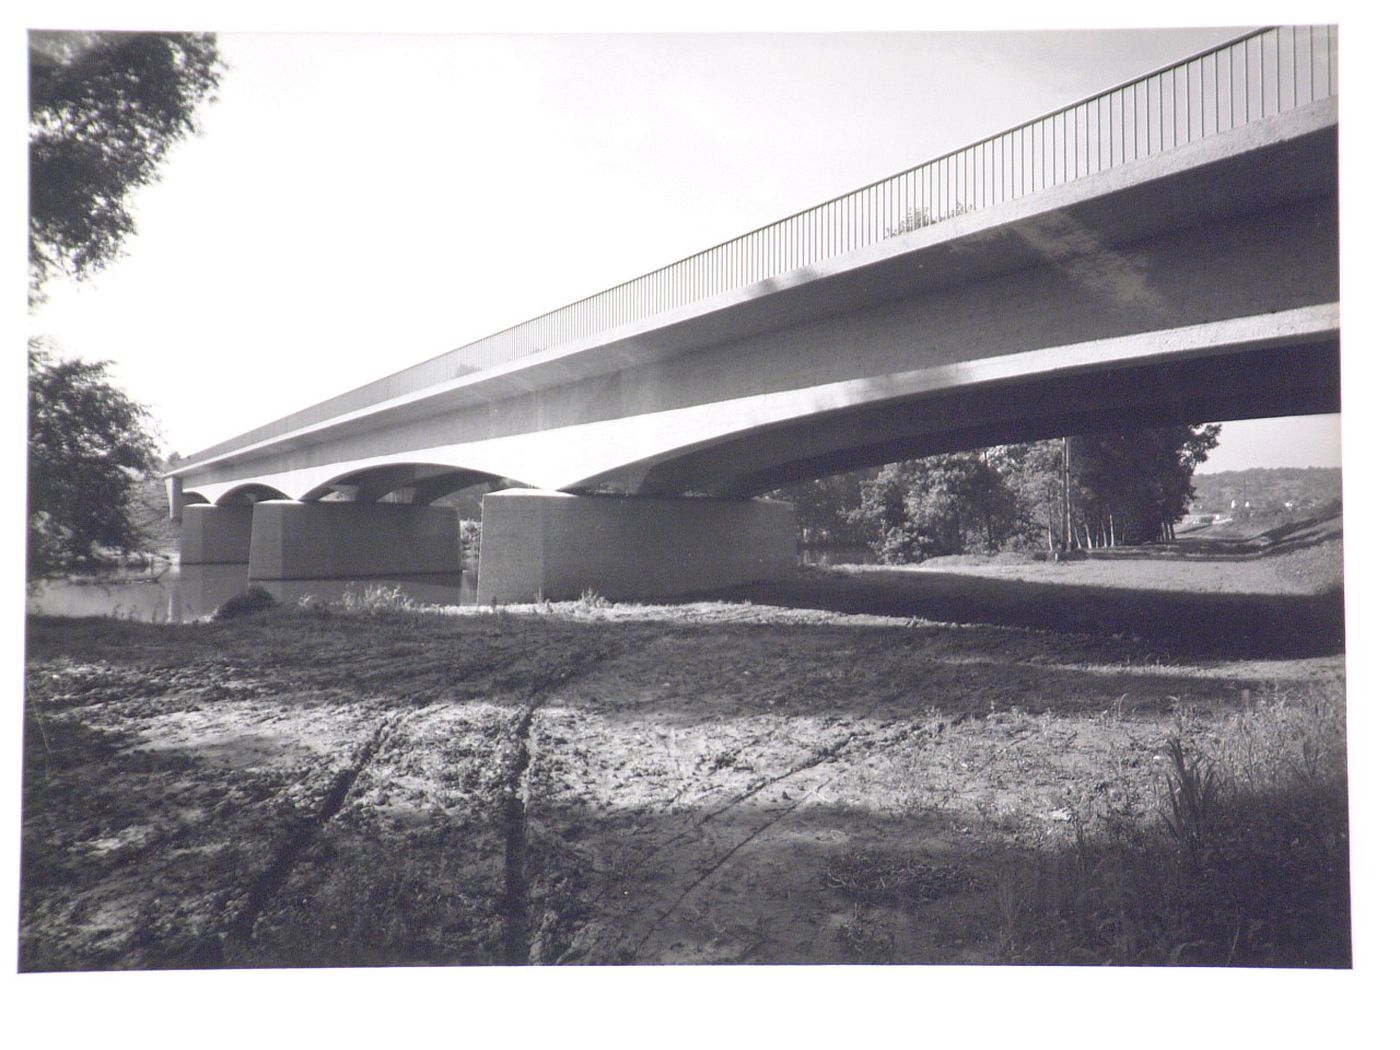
(254,599)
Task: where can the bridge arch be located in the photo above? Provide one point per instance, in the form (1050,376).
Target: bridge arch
(254,492)
(421,483)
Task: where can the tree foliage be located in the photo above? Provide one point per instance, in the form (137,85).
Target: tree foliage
(1089,491)
(945,504)
(89,446)
(105,108)
(1133,486)
(822,507)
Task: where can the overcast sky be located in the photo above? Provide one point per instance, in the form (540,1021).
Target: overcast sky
(360,202)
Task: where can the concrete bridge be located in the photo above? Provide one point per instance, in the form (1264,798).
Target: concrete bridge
(1164,252)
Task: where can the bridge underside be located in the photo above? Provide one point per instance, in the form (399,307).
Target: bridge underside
(1290,380)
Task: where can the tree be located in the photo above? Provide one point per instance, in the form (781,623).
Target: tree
(1034,476)
(105,108)
(823,508)
(1133,486)
(89,446)
(945,504)
(1126,487)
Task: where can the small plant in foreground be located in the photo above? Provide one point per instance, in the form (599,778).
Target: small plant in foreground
(1192,794)
(591,599)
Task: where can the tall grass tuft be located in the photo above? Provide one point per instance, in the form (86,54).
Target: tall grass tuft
(1192,791)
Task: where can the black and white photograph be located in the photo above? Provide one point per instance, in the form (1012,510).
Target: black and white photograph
(701,502)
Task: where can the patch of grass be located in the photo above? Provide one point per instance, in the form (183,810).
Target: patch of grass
(1248,864)
(380,905)
(866,938)
(591,599)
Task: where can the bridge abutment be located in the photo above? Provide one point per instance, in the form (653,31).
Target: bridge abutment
(292,540)
(557,545)
(211,535)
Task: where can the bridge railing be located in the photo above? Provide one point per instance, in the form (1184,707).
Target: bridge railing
(1247,79)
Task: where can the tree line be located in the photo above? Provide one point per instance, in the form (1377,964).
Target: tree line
(1078,493)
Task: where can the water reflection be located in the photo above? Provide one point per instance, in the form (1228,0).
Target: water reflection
(189,592)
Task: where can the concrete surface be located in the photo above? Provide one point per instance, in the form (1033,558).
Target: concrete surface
(215,535)
(304,541)
(559,546)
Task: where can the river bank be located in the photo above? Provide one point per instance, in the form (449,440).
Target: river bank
(721,781)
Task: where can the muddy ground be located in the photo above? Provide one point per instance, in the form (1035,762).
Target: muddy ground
(861,766)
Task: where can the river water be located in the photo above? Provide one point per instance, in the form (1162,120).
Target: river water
(184,594)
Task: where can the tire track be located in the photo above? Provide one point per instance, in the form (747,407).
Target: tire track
(516,903)
(824,754)
(724,858)
(275,875)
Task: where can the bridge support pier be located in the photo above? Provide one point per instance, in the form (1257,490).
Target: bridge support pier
(555,545)
(307,541)
(212,535)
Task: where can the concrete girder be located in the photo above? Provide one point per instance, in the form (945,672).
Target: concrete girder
(632,454)
(427,481)
(381,475)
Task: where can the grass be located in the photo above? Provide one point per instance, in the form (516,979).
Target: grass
(1246,863)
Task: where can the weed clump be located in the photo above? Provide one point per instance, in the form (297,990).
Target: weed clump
(378,600)
(591,599)
(871,877)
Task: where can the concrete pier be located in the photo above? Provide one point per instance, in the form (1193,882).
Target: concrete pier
(306,541)
(212,535)
(556,545)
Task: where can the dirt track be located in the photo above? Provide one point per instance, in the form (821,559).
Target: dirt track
(703,783)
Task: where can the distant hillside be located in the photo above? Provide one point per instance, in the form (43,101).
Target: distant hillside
(1273,491)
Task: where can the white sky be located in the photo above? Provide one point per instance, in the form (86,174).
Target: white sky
(361,202)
